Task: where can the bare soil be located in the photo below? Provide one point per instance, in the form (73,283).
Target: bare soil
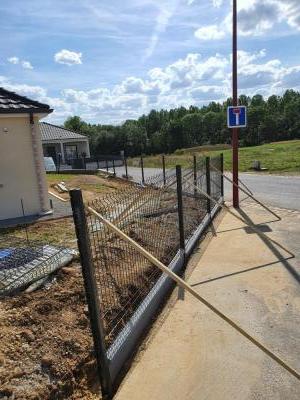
(91,185)
(46,349)
(45,343)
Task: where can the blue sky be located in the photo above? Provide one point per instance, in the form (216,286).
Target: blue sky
(112,60)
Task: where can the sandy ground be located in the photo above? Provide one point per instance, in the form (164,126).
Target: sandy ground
(195,356)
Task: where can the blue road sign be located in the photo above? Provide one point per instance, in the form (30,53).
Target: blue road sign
(237,117)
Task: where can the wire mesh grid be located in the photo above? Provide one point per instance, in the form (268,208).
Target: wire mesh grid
(216,177)
(194,203)
(24,261)
(15,252)
(147,213)
(124,277)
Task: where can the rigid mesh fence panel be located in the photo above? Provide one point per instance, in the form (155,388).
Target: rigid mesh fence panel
(124,278)
(194,202)
(24,261)
(216,177)
(130,289)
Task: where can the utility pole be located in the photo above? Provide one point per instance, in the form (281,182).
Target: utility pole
(235,131)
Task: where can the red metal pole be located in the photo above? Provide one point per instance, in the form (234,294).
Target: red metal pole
(235,131)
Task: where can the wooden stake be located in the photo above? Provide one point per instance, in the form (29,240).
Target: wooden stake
(249,194)
(252,226)
(192,291)
(58,197)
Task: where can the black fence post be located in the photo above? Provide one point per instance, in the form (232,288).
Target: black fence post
(142,167)
(84,162)
(180,208)
(106,164)
(91,291)
(23,213)
(180,223)
(195,174)
(222,172)
(114,167)
(126,169)
(164,169)
(98,165)
(58,163)
(208,187)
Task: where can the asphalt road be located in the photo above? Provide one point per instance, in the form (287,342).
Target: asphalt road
(275,190)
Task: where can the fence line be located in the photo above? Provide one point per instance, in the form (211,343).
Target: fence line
(166,216)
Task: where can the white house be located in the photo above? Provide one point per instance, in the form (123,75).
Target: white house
(22,172)
(57,140)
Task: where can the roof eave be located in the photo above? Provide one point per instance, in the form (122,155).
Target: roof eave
(66,140)
(26,111)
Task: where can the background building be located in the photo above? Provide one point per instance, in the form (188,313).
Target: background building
(57,140)
(22,171)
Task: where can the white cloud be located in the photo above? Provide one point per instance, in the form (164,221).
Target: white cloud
(166,10)
(255,18)
(26,65)
(68,57)
(13,60)
(190,80)
(26,90)
(216,3)
(258,18)
(210,32)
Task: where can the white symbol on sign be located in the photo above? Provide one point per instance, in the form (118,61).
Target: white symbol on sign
(237,112)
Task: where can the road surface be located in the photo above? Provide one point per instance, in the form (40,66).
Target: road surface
(275,190)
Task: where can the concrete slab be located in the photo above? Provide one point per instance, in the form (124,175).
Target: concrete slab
(194,355)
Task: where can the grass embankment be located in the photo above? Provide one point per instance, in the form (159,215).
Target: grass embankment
(277,157)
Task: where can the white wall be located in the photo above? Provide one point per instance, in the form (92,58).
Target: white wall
(18,170)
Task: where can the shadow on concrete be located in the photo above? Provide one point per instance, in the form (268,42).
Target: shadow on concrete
(273,248)
(241,272)
(263,228)
(256,225)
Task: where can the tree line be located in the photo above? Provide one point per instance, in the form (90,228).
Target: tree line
(273,119)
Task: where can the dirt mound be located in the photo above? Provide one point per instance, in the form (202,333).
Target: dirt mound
(46,345)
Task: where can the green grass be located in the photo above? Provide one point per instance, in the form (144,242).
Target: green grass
(54,178)
(277,157)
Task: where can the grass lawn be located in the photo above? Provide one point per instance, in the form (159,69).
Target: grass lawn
(278,157)
(58,232)
(61,231)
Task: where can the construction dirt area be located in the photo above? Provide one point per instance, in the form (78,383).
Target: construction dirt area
(46,347)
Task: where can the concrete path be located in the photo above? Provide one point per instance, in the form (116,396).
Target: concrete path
(278,191)
(194,355)
(60,209)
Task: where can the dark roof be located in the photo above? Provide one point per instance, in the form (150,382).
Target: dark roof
(54,132)
(11,102)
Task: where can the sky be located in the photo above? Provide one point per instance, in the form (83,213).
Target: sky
(112,60)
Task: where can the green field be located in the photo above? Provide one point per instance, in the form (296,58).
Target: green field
(278,157)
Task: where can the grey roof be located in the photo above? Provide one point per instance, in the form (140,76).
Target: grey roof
(54,132)
(11,102)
